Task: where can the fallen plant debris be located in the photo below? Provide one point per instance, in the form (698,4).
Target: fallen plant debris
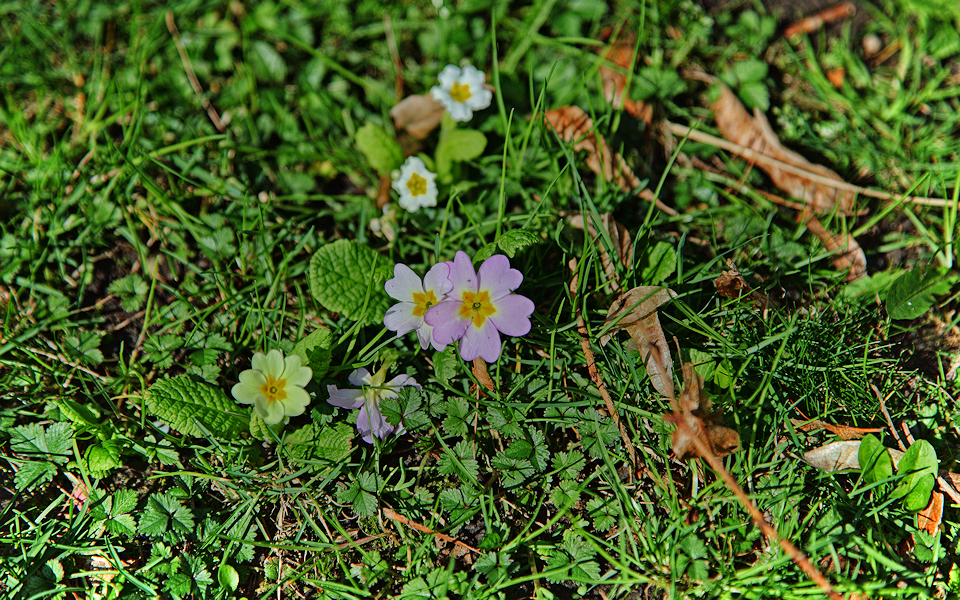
(618,237)
(635,311)
(575,126)
(731,284)
(695,410)
(844,432)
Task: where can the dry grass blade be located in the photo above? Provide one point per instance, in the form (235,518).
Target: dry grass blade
(844,432)
(636,312)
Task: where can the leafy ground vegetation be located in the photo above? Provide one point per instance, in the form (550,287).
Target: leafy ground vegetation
(688,325)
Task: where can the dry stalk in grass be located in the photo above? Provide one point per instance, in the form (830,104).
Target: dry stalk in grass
(798,557)
(188,67)
(595,373)
(395,516)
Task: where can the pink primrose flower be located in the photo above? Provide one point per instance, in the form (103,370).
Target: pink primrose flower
(373,390)
(479,307)
(416,298)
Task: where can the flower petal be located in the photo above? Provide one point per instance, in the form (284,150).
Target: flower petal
(301,377)
(425,336)
(363,425)
(497,277)
(512,316)
(483,342)
(246,394)
(449,75)
(270,412)
(446,322)
(459,111)
(404,284)
(296,401)
(400,318)
(358,376)
(273,364)
(462,277)
(402,381)
(348,398)
(291,365)
(252,378)
(259,362)
(437,280)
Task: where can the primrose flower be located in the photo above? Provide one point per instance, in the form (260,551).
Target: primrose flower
(274,386)
(461,91)
(373,390)
(479,307)
(415,298)
(416,185)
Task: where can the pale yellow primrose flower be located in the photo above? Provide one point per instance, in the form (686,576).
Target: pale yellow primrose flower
(416,185)
(274,386)
(461,91)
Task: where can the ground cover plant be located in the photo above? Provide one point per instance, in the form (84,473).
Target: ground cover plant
(562,299)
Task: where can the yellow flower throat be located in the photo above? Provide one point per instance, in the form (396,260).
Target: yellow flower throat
(417,185)
(477,307)
(423,302)
(274,389)
(460,92)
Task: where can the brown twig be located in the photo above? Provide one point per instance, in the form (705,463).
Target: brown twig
(792,551)
(188,67)
(595,373)
(886,414)
(394,516)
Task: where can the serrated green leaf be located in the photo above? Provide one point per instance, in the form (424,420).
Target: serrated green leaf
(459,460)
(911,295)
(406,409)
(347,277)
(191,407)
(316,443)
(100,461)
(445,364)
(54,443)
(124,501)
(485,253)
(314,351)
(132,291)
(755,95)
(165,513)
(364,503)
(179,584)
(568,463)
(380,148)
(660,264)
(565,494)
(458,145)
(261,431)
(121,525)
(459,414)
(31,474)
(515,240)
(874,460)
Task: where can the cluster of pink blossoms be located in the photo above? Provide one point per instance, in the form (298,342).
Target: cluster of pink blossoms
(455,302)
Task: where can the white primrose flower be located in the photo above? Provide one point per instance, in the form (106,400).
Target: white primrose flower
(461,91)
(274,386)
(416,185)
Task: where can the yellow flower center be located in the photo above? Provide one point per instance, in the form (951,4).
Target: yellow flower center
(460,92)
(274,389)
(423,301)
(417,185)
(477,307)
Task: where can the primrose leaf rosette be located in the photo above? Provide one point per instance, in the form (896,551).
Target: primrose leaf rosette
(193,408)
(347,278)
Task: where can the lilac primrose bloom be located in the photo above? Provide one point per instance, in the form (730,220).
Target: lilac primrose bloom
(370,421)
(480,307)
(415,298)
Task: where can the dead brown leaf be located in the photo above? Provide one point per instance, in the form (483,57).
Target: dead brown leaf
(575,126)
(619,237)
(695,410)
(417,115)
(623,55)
(847,252)
(836,456)
(755,133)
(929,518)
(731,284)
(636,312)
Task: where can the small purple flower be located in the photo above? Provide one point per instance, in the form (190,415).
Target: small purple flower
(415,298)
(373,390)
(479,307)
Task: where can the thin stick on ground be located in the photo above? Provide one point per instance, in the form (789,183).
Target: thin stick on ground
(798,557)
(595,373)
(188,67)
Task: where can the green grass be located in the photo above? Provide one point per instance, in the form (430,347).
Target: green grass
(140,242)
